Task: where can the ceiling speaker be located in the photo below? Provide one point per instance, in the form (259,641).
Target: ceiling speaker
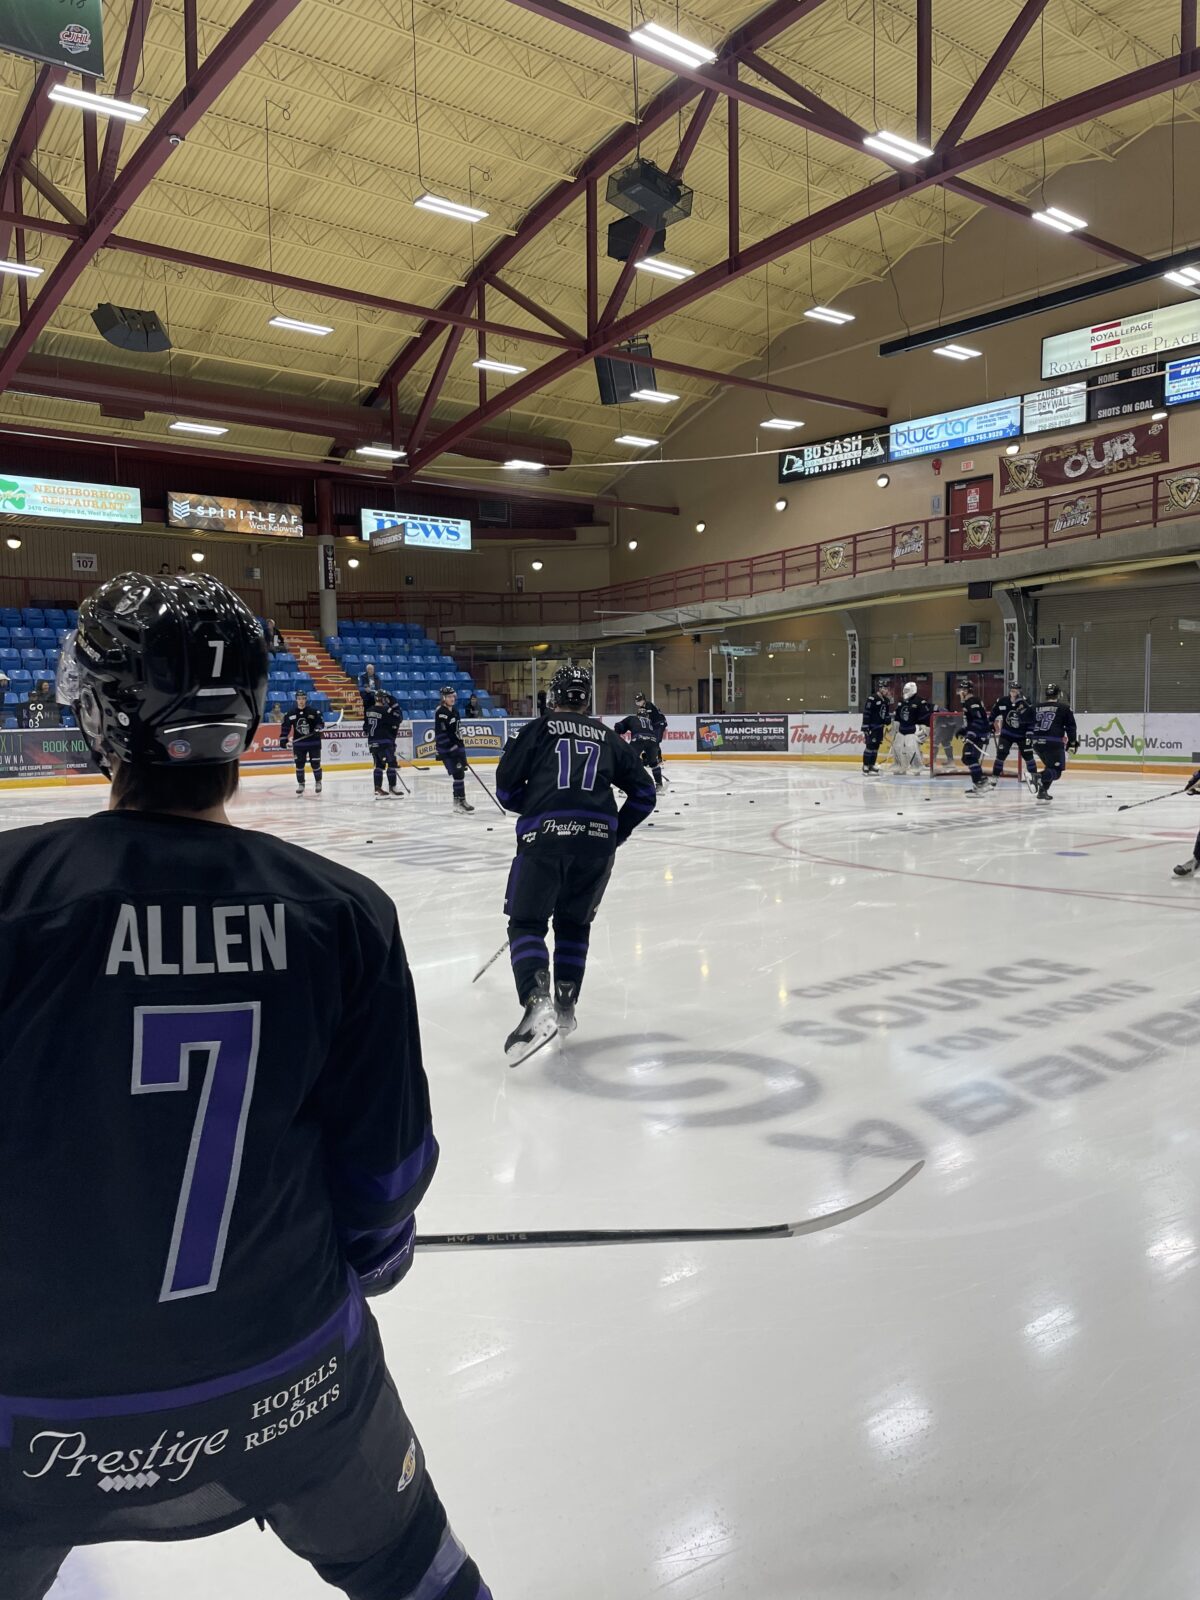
(130,329)
(618,379)
(623,237)
(649,195)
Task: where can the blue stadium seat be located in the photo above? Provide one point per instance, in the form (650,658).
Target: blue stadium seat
(21,637)
(33,657)
(33,616)
(9,657)
(21,675)
(11,722)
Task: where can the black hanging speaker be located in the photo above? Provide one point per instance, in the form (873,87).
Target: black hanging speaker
(130,329)
(649,195)
(618,379)
(981,590)
(623,237)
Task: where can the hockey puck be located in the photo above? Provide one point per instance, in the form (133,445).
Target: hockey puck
(899,813)
(491,830)
(370,841)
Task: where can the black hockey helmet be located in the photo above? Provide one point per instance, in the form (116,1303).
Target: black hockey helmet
(1052,691)
(571,687)
(447,690)
(166,671)
(639,699)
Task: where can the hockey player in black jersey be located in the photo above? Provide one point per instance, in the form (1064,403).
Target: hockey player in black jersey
(642,731)
(381,724)
(452,752)
(911,730)
(1012,722)
(877,714)
(226,1032)
(558,773)
(305,728)
(976,730)
(1054,735)
(1185,869)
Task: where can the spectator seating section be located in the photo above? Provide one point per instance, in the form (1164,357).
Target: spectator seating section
(30,641)
(408,664)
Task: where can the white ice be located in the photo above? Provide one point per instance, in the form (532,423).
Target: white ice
(985,1389)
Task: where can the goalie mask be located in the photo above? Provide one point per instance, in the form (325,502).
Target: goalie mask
(165,671)
(910,690)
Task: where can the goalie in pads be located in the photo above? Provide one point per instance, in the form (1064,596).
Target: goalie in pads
(910,732)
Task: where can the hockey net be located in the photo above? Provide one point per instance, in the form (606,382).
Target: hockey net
(946,748)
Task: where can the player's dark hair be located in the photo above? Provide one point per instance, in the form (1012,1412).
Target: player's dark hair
(141,786)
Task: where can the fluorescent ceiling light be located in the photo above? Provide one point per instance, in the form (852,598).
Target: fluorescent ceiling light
(664,269)
(485,365)
(210,430)
(635,439)
(1052,217)
(659,397)
(1158,416)
(21,269)
(897,148)
(957,352)
(64,94)
(1186,277)
(517,465)
(382,451)
(828,314)
(673,45)
(449,208)
(296,326)
(780,422)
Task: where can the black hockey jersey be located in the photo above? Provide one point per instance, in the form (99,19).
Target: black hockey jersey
(381,724)
(559,774)
(640,728)
(446,731)
(877,712)
(1054,723)
(657,721)
(1014,716)
(302,727)
(912,714)
(214,1130)
(977,724)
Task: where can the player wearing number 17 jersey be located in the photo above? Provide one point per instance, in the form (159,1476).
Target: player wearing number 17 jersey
(214,1130)
(559,773)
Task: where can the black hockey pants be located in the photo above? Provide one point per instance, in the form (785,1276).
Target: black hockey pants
(456,765)
(384,755)
(544,882)
(1004,745)
(307,750)
(872,739)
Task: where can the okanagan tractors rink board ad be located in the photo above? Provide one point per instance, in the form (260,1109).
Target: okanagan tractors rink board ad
(1125,742)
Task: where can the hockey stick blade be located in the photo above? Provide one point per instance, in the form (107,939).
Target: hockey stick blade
(777,1230)
(1170,794)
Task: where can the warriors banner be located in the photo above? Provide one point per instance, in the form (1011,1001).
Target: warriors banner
(1102,455)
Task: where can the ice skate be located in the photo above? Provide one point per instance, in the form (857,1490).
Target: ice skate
(317,787)
(1032,782)
(565,995)
(1043,793)
(463,805)
(1186,868)
(536,1028)
(383,794)
(299,788)
(978,788)
(993,783)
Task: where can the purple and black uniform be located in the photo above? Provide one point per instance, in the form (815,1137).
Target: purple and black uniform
(1054,733)
(201,1180)
(305,728)
(452,753)
(559,773)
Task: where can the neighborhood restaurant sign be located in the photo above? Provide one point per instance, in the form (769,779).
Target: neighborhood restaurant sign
(64,34)
(955,430)
(69,502)
(1105,344)
(267,518)
(842,453)
(1103,455)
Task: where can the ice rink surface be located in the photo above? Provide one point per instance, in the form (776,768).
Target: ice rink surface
(985,1389)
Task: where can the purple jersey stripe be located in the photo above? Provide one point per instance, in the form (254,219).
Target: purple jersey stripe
(380,1188)
(346,1321)
(569,944)
(528,947)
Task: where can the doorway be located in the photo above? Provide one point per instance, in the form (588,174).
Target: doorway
(972,527)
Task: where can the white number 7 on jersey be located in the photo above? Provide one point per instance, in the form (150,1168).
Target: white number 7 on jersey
(164,1040)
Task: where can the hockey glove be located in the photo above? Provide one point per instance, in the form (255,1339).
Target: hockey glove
(389,1264)
(283,744)
(1194,786)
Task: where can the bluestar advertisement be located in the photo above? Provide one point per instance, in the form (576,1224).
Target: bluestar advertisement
(955,430)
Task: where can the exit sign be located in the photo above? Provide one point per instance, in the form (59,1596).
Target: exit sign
(975,659)
(897,661)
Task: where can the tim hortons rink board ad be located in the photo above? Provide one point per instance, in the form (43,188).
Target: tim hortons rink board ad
(1127,741)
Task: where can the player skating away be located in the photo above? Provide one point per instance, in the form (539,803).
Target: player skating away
(911,729)
(1012,720)
(877,714)
(381,724)
(226,1032)
(558,773)
(641,732)
(976,730)
(1185,869)
(305,728)
(1054,736)
(452,752)
(658,723)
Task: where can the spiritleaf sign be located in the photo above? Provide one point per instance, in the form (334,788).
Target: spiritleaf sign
(66,33)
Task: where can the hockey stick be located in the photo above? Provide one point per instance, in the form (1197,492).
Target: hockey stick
(416,765)
(777,1230)
(1134,804)
(491,961)
(485,788)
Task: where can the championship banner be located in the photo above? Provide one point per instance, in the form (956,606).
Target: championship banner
(741,735)
(217,513)
(48,30)
(1134,449)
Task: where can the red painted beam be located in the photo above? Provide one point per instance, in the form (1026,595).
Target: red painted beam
(591,232)
(1056,118)
(1187,27)
(440,373)
(127,76)
(526,304)
(992,73)
(770,73)
(240,44)
(191,39)
(733,173)
(1016,208)
(924,117)
(25,139)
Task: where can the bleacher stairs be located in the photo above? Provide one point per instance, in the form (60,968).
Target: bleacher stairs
(328,679)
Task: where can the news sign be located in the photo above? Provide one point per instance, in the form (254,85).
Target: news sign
(955,430)
(418,530)
(842,453)
(65,35)
(1061,407)
(266,519)
(66,501)
(1182,385)
(1106,344)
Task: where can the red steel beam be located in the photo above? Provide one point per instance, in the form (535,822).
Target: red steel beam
(191,39)
(766,25)
(591,232)
(1016,208)
(131,58)
(770,73)
(733,190)
(1187,27)
(240,44)
(51,192)
(1056,118)
(992,73)
(534,310)
(924,118)
(91,147)
(25,140)
(440,373)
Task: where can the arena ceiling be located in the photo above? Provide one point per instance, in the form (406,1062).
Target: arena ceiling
(288,139)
